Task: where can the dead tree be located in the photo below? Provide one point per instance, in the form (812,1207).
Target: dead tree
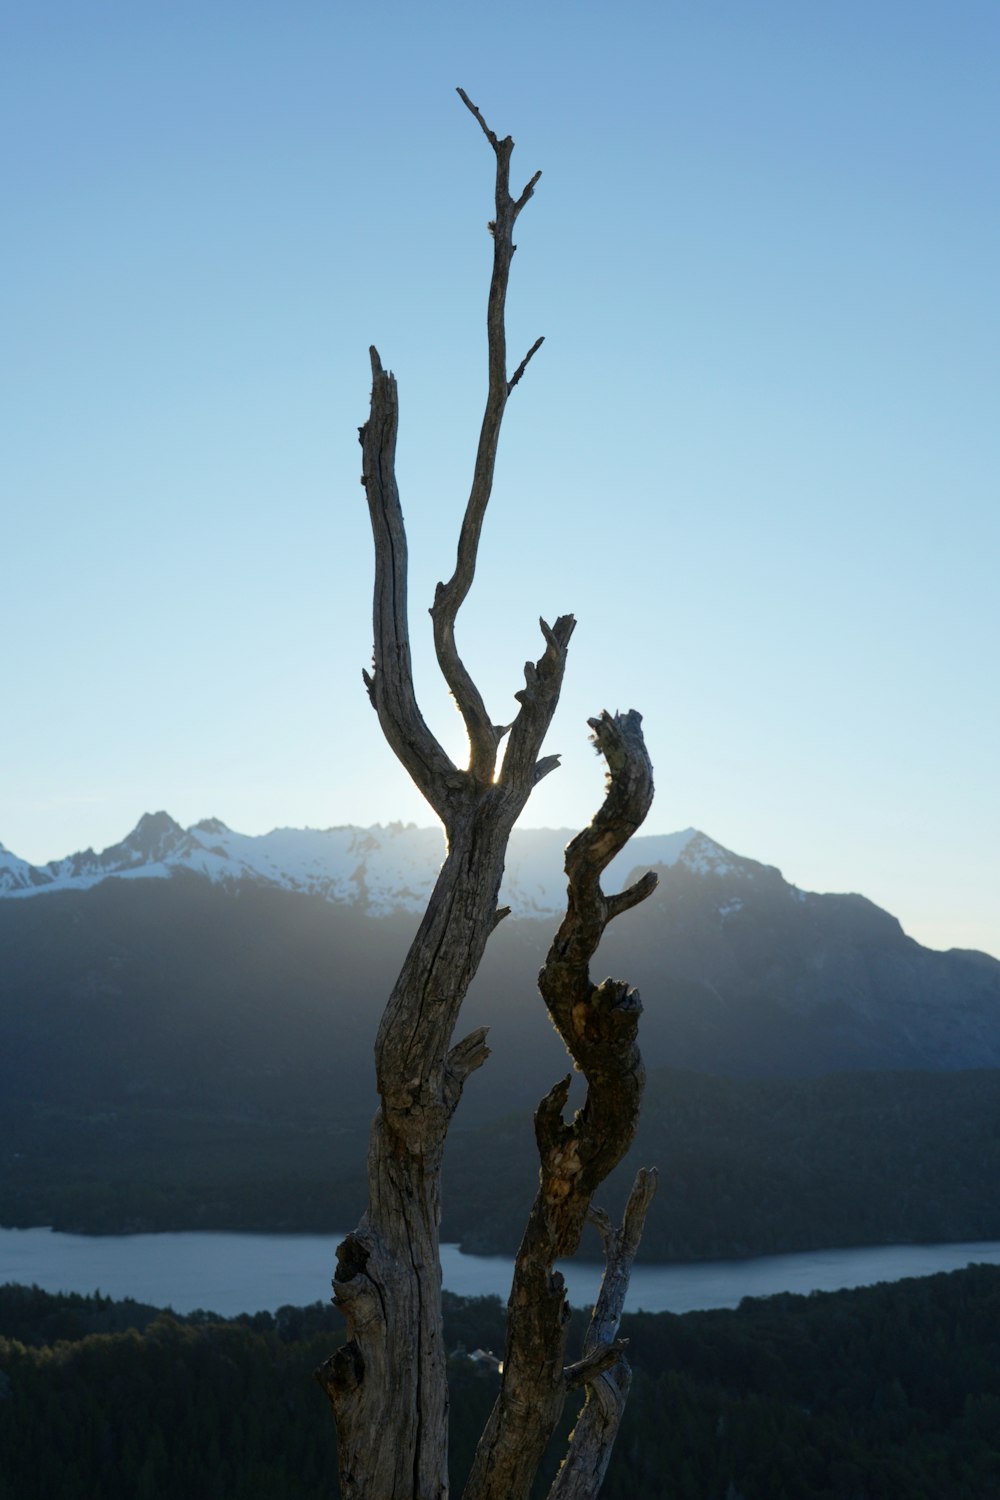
(387,1384)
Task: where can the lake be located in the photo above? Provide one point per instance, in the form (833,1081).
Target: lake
(234,1273)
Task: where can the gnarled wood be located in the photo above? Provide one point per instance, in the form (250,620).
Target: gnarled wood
(387,1384)
(598,1023)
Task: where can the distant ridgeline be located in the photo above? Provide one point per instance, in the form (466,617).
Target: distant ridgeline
(889,1392)
(186,1024)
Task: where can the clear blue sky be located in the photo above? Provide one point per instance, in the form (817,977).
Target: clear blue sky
(757,455)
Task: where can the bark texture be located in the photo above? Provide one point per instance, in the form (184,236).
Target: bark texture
(387,1383)
(598,1023)
(593,1437)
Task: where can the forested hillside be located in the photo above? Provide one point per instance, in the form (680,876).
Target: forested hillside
(767,1165)
(747,1166)
(886,1393)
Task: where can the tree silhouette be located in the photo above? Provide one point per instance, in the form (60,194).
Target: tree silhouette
(388,1384)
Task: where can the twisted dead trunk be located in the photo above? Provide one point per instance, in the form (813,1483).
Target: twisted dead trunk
(387,1384)
(598,1024)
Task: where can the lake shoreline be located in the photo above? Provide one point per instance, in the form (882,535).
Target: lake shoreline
(231,1274)
(583,1256)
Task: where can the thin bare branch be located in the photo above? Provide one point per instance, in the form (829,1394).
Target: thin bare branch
(473,109)
(450,596)
(512,382)
(545,765)
(620,1247)
(601,1220)
(538,699)
(625,900)
(462,1060)
(582,1472)
(529,192)
(586,1370)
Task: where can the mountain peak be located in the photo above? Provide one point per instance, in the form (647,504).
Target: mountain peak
(154,825)
(209,825)
(154,837)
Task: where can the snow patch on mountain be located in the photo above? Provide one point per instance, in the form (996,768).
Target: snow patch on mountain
(16,874)
(378,869)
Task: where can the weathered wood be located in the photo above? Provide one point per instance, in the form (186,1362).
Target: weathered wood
(390,682)
(592,1439)
(598,1023)
(387,1384)
(389,1389)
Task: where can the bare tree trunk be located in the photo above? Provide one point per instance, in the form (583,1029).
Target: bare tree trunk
(598,1024)
(387,1384)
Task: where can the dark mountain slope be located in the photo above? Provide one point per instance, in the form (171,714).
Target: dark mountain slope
(173,990)
(258,997)
(175,1052)
(743,973)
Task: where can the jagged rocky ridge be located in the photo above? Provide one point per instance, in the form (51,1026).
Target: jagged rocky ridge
(381,869)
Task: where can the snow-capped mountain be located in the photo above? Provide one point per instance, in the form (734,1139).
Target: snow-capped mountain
(188,962)
(380,869)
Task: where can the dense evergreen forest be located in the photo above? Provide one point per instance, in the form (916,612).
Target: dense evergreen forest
(885,1393)
(751,1166)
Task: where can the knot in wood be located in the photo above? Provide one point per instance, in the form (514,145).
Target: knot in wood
(343,1372)
(352,1258)
(566,1163)
(618,998)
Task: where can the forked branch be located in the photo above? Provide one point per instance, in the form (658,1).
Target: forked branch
(484,735)
(388,1383)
